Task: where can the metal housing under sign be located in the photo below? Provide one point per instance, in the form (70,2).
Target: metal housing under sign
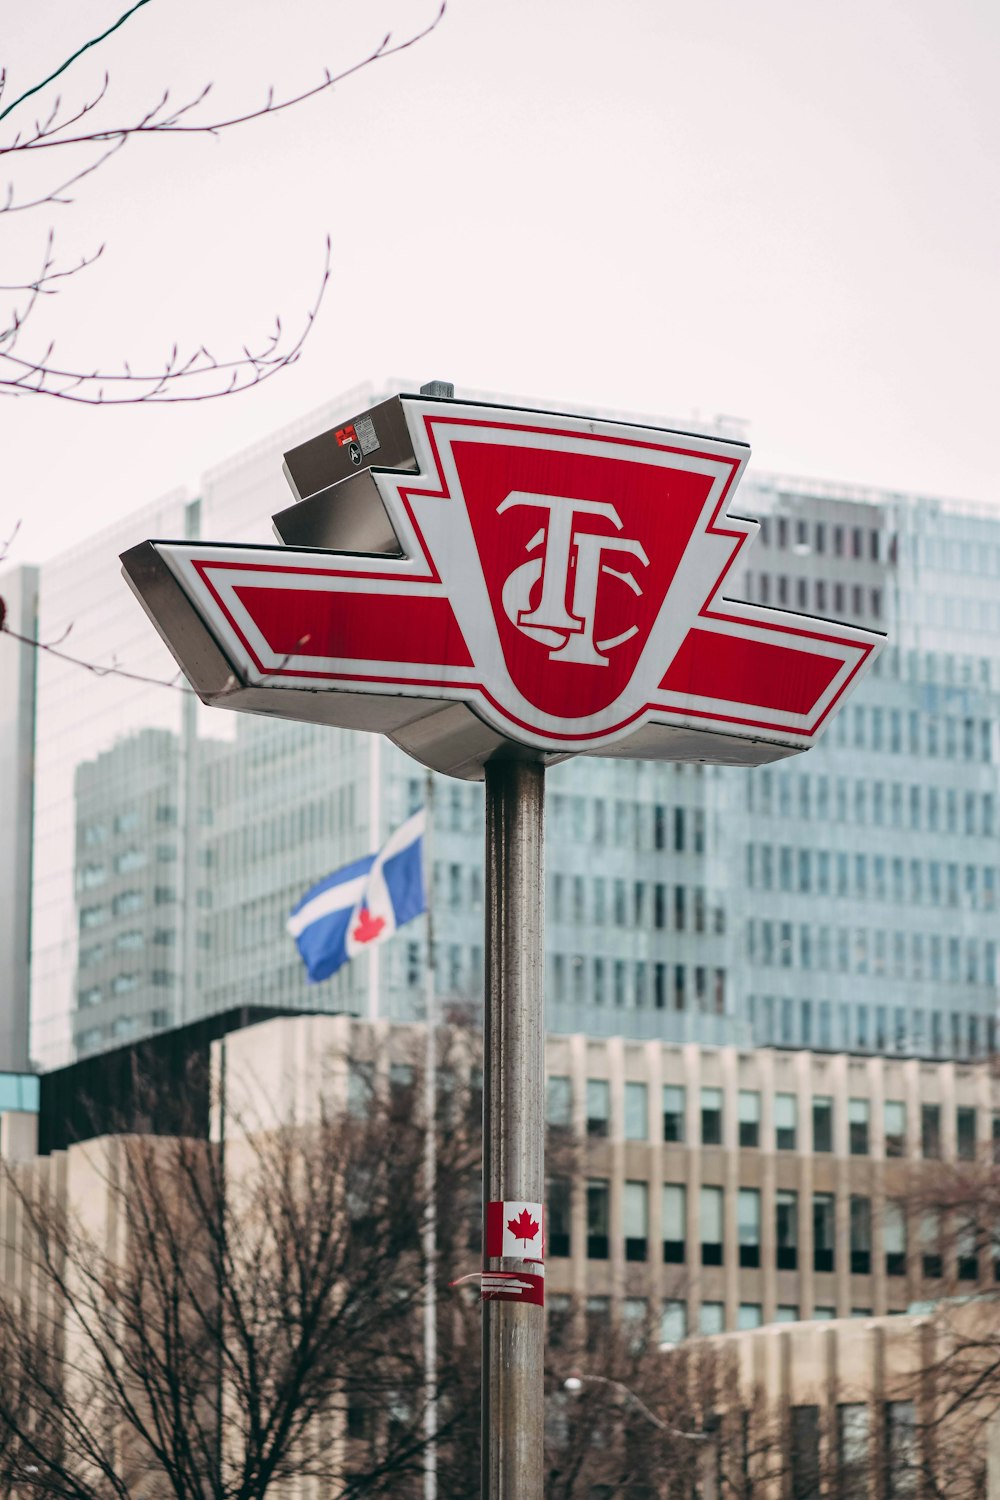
(473,580)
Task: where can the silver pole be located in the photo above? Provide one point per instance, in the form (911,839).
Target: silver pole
(430,1169)
(513,1117)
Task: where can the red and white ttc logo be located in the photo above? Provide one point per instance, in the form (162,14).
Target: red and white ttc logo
(563,578)
(568,571)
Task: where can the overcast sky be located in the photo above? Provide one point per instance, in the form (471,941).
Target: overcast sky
(778,210)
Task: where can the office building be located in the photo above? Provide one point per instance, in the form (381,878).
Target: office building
(19,611)
(841,900)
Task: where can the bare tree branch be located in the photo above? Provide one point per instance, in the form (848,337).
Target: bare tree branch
(70,60)
(196,376)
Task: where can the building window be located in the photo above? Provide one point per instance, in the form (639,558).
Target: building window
(785,1120)
(822,1123)
(853,1448)
(902,1450)
(635,1219)
(558,1318)
(635,1323)
(894,1236)
(559,1102)
(824,1231)
(598,1218)
(895,1128)
(965,1123)
(712,1318)
(748,1214)
(673,1113)
(748,1315)
(932,1261)
(861,1236)
(711,1117)
(930,1131)
(967,1247)
(749,1106)
(598,1323)
(673,1321)
(805,1453)
(786,1223)
(558,1220)
(674,1225)
(711,1226)
(636,1112)
(857,1124)
(598,1107)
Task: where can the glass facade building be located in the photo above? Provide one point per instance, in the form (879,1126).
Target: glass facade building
(842,899)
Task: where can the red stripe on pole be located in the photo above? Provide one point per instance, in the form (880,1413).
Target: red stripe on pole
(383,628)
(494,1229)
(735,670)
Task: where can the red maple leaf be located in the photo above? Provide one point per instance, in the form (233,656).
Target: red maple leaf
(368,926)
(523,1227)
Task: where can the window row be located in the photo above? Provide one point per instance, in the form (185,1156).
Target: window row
(642,904)
(889,804)
(815,595)
(786,1133)
(862,950)
(638,825)
(856,542)
(975,1253)
(914,732)
(783,1021)
(641,986)
(864,877)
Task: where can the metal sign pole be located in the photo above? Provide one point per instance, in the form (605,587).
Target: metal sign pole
(513,1118)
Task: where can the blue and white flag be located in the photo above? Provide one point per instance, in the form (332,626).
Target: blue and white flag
(363,903)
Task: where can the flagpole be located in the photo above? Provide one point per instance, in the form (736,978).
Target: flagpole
(375,820)
(430,1167)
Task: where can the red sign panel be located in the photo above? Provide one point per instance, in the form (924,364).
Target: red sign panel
(565,580)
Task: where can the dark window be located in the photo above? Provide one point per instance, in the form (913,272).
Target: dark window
(711,1117)
(748,1223)
(930,1131)
(824,1231)
(711,1226)
(895,1127)
(785,1118)
(598,1218)
(674,1225)
(598,1107)
(894,1239)
(861,1236)
(857,1119)
(786,1217)
(673,1112)
(965,1121)
(558,1217)
(805,1453)
(635,1217)
(749,1105)
(822,1124)
(967,1250)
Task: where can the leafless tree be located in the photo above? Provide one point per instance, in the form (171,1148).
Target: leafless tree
(63,147)
(205,1322)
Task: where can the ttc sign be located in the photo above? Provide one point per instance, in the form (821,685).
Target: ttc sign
(470,579)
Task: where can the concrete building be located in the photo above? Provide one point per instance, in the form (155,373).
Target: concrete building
(772,1201)
(712,1189)
(18,665)
(842,900)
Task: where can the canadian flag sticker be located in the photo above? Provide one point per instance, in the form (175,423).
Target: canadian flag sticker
(515,1229)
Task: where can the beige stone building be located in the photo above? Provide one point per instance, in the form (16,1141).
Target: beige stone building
(708,1189)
